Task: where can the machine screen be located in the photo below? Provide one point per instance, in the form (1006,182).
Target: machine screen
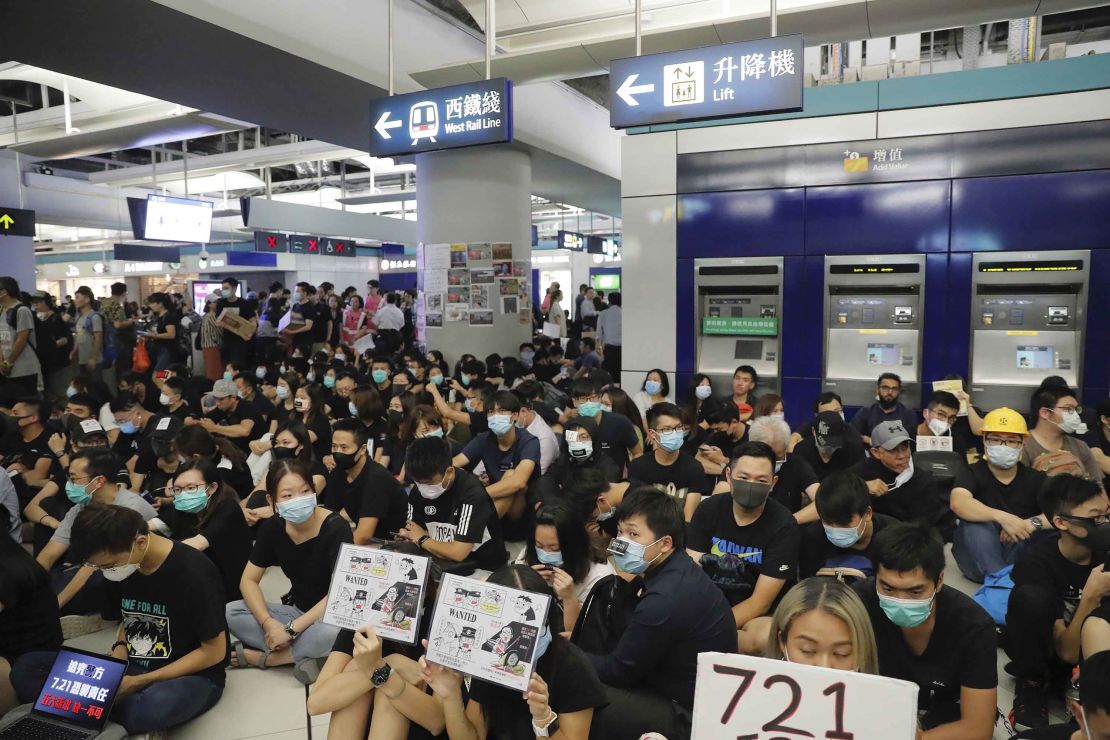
(1035,358)
(748,349)
(883,354)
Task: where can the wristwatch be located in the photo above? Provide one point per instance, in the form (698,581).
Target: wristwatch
(290,631)
(381,675)
(550,728)
(423,538)
(1036,522)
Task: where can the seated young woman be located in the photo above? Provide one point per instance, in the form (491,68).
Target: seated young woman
(290,442)
(823,622)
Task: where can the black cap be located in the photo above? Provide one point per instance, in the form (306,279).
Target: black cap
(829,428)
(165,428)
(86,429)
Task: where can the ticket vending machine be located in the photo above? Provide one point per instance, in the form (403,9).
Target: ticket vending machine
(874,308)
(1028,316)
(739,314)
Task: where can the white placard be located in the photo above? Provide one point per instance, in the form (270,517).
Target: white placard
(954,387)
(924,443)
(363,344)
(738,696)
(551,330)
(437,257)
(487,631)
(377,588)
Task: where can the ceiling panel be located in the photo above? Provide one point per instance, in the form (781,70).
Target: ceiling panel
(891,17)
(148,133)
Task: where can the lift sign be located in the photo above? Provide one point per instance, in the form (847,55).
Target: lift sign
(442,118)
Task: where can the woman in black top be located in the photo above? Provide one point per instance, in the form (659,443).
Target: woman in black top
(205,515)
(309,406)
(336,314)
(165,331)
(29,621)
(401,407)
(564,687)
(291,442)
(369,409)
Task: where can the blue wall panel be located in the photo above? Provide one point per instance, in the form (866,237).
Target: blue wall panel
(737,224)
(955,335)
(1058,211)
(798,395)
(685,326)
(909,217)
(397,281)
(938,335)
(801,321)
(1096,354)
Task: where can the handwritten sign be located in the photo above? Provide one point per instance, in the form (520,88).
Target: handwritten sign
(379,588)
(487,631)
(746,698)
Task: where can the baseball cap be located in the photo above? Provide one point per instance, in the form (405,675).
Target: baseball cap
(224,388)
(40,295)
(830,429)
(87,428)
(889,435)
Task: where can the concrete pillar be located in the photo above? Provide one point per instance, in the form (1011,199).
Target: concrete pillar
(18,251)
(481,194)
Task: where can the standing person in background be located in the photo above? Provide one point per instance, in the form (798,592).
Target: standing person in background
(121,323)
(390,320)
(89,345)
(374,301)
(609,336)
(266,336)
(355,320)
(235,348)
(322,329)
(547,298)
(586,308)
(55,357)
(555,313)
(335,320)
(19,360)
(211,339)
(167,324)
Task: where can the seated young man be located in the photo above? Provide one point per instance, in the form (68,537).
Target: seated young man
(830,446)
(1058,582)
(940,416)
(650,674)
(898,490)
(668,468)
(362,490)
(797,483)
(996,500)
(842,543)
(173,633)
(933,636)
(450,515)
(1090,713)
(747,542)
(233,418)
(511,456)
(616,434)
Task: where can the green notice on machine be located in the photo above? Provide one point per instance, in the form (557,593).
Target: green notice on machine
(757,327)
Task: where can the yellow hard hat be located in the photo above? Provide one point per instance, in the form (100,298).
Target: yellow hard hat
(1006,421)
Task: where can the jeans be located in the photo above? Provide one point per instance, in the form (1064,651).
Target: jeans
(163,358)
(314,642)
(161,705)
(978,551)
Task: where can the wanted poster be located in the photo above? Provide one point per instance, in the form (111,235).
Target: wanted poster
(487,631)
(377,588)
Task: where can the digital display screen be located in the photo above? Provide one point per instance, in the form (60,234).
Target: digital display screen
(606,282)
(877,269)
(1033,266)
(884,354)
(1035,358)
(178,219)
(80,687)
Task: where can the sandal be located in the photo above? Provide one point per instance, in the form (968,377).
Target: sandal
(241,657)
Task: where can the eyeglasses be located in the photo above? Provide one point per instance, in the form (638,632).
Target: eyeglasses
(676,428)
(584,399)
(1097,521)
(1065,409)
(178,490)
(1015,443)
(71,479)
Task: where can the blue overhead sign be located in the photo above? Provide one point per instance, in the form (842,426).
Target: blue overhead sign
(745,78)
(442,118)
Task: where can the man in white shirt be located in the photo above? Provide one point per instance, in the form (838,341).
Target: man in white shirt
(531,421)
(390,320)
(609,336)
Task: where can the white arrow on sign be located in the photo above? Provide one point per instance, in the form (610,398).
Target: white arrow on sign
(627,89)
(384,124)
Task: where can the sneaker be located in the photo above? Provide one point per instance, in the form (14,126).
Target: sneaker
(1030,706)
(77,625)
(308,669)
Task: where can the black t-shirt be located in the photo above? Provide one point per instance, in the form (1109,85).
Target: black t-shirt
(308,566)
(161,324)
(241,413)
(617,437)
(262,406)
(1018,498)
(228,535)
(850,454)
(1042,564)
(685,475)
(1052,732)
(794,477)
(246,311)
(29,620)
(307,312)
(318,423)
(478,423)
(378,435)
(572,686)
(768,546)
(962,650)
(915,500)
(321,317)
(373,493)
(463,513)
(817,552)
(30,452)
(169,613)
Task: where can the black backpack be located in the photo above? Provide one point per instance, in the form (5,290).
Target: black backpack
(37,333)
(606,611)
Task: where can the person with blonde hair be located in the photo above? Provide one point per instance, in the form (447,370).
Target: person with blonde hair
(822,622)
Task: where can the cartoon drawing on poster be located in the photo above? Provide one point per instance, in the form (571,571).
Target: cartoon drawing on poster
(502,250)
(487,631)
(458,255)
(377,588)
(479,252)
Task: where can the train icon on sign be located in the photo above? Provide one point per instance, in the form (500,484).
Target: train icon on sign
(424,121)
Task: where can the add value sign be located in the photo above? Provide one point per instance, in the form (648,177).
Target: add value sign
(745,78)
(756,698)
(442,118)
(16,222)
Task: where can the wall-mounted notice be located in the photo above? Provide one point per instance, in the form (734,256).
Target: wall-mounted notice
(487,631)
(377,588)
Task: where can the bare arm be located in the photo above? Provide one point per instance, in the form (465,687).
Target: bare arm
(978,709)
(759,603)
(513,481)
(364,531)
(208,654)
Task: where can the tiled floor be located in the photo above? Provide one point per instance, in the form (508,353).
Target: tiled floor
(280,714)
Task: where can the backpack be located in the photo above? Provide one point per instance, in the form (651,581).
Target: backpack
(994,594)
(111,345)
(1060,462)
(606,611)
(38,332)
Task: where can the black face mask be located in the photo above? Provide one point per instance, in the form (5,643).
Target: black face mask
(283,453)
(344,460)
(395,416)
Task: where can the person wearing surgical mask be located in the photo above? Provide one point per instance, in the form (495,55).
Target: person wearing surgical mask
(1059,580)
(172,398)
(173,621)
(941,416)
(931,635)
(666,467)
(822,622)
(450,515)
(727,528)
(650,674)
(897,488)
(303,539)
(656,388)
(361,489)
(840,544)
(1056,412)
(996,500)
(291,441)
(616,435)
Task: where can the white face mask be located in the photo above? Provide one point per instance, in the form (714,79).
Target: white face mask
(164,399)
(1072,423)
(938,427)
(121,572)
(432,491)
(904,476)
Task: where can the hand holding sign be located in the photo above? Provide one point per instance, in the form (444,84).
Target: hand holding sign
(758,699)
